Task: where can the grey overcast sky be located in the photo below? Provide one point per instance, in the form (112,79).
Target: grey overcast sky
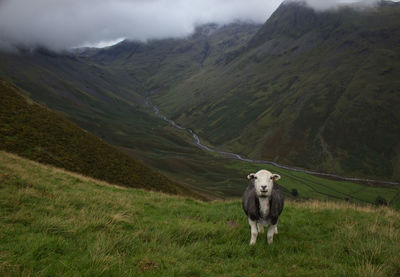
(63,24)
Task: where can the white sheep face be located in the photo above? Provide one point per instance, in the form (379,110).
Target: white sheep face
(263,182)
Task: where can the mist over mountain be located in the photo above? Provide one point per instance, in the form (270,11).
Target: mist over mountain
(60,25)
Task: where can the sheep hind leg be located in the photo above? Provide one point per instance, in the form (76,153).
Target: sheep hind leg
(270,233)
(254,231)
(276,229)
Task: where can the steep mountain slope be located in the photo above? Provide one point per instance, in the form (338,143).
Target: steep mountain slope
(37,133)
(89,94)
(315,90)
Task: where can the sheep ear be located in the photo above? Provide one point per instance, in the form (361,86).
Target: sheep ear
(276,177)
(251,176)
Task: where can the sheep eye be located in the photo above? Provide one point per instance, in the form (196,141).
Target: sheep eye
(272,178)
(255,177)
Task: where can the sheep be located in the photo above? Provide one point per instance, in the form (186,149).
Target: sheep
(263,203)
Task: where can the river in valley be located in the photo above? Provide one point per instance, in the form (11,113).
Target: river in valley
(198,143)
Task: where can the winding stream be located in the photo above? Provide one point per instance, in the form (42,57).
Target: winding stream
(235,156)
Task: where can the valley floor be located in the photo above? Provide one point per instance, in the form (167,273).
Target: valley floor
(55,223)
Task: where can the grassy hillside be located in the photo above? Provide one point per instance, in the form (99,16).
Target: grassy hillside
(56,223)
(37,133)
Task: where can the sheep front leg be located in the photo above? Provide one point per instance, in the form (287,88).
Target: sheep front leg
(260,228)
(254,231)
(271,231)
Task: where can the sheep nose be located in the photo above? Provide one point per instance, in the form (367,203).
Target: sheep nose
(263,187)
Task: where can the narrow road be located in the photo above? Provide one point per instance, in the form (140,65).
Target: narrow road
(239,157)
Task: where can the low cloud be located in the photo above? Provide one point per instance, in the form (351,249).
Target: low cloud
(321,5)
(64,24)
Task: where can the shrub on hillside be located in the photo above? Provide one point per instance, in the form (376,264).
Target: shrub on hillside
(380,201)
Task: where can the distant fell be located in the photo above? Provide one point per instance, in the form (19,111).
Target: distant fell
(291,19)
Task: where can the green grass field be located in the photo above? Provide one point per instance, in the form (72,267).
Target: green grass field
(173,153)
(220,177)
(314,187)
(55,223)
